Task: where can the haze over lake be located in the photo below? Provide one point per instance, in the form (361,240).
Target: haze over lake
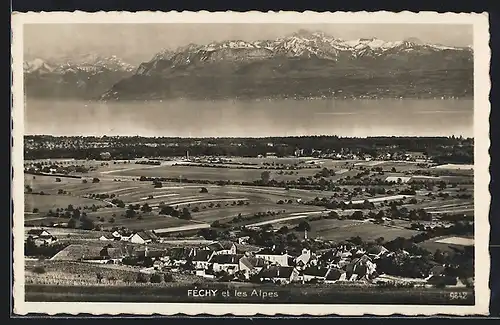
(238,118)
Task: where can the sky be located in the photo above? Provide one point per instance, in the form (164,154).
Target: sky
(136,43)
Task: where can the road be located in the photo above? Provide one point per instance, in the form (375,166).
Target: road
(182,228)
(300,215)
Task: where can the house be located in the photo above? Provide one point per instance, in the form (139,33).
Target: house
(226,262)
(251,265)
(243,240)
(152,253)
(143,237)
(416,156)
(442,280)
(112,254)
(208,273)
(126,237)
(436,271)
(39,233)
(113,236)
(377,251)
(201,258)
(105,155)
(219,248)
(274,256)
(333,275)
(107,237)
(45,241)
(158,265)
(314,273)
(179,255)
(41,237)
(360,268)
(304,259)
(279,274)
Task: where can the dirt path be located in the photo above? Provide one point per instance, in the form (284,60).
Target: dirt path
(299,215)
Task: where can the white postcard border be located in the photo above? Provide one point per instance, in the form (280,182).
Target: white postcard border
(481,177)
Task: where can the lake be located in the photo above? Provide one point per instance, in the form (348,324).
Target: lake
(188,118)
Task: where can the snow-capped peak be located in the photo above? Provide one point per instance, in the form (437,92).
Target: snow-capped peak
(37,65)
(88,62)
(301,44)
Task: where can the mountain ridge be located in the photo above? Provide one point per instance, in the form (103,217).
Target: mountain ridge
(305,64)
(302,65)
(86,76)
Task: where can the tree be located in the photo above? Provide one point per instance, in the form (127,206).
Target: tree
(146,208)
(76,214)
(58,180)
(208,233)
(357,215)
(72,223)
(215,224)
(35,210)
(130,213)
(30,247)
(442,185)
(333,214)
(304,225)
(84,181)
(141,278)
(168,277)
(439,256)
(95,180)
(203,190)
(265,176)
(87,223)
(156,278)
(29,189)
(356,240)
(186,215)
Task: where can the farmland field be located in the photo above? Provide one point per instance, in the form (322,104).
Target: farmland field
(461,241)
(73,233)
(432,246)
(50,202)
(367,232)
(339,230)
(455,167)
(223,203)
(209,173)
(149,222)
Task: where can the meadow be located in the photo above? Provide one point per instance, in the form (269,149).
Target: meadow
(44,203)
(224,203)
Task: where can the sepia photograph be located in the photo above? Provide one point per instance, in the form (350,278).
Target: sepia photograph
(251,163)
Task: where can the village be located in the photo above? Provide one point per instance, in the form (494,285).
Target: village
(226,261)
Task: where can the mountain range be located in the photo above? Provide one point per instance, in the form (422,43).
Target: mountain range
(302,65)
(88,76)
